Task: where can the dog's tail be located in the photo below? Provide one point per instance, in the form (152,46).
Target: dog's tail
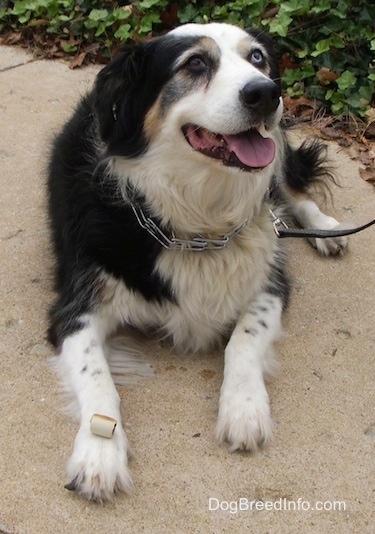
(307,165)
(126,359)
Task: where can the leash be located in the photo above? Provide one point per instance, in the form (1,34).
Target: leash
(200,243)
(282,229)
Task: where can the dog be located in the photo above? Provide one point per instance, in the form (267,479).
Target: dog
(160,189)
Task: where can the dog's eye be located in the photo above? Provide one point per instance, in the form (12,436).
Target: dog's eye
(196,64)
(257,58)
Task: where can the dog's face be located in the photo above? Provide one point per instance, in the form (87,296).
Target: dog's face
(211,90)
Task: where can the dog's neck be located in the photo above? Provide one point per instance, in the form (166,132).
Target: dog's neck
(195,204)
(170,241)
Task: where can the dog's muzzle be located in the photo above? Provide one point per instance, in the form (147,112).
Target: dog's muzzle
(248,150)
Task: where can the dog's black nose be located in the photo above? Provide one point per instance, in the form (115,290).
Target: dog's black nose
(261,96)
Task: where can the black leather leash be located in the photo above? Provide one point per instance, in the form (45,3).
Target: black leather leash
(282,230)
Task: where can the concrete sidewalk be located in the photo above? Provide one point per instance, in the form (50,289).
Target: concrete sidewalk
(322,401)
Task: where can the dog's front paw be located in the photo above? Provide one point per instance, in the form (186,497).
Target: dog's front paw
(244,421)
(98,466)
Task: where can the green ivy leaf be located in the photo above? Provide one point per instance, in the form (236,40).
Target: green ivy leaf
(325,45)
(102,26)
(97,15)
(23,19)
(188,14)
(361,98)
(120,13)
(292,76)
(68,48)
(321,47)
(280,24)
(297,7)
(337,108)
(320,6)
(20,8)
(346,80)
(124,32)
(146,4)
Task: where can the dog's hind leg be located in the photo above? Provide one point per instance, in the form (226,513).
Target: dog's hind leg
(98,465)
(307,166)
(308,214)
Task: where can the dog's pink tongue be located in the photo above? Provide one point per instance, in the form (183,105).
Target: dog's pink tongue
(251,148)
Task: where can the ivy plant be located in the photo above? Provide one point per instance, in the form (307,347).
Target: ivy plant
(326,47)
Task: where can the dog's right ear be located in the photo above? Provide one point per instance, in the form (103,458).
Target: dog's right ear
(115,90)
(126,89)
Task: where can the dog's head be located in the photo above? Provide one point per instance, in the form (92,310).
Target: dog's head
(213,90)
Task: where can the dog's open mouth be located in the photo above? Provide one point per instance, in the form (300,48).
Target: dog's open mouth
(248,150)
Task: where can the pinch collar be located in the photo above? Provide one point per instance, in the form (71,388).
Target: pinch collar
(171,242)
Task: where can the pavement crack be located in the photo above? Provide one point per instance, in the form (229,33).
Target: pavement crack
(10,67)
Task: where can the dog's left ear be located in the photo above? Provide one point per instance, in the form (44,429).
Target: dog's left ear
(272,54)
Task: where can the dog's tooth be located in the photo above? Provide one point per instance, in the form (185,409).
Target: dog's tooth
(263,130)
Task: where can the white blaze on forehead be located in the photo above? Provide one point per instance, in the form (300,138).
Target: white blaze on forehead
(226,36)
(218,31)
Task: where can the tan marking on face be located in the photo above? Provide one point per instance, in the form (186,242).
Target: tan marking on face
(209,44)
(152,121)
(205,45)
(245,46)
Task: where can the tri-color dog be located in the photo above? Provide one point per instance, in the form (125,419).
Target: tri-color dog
(160,187)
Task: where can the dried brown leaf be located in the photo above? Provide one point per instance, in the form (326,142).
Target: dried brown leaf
(11,38)
(368,174)
(326,76)
(77,60)
(370,115)
(331,133)
(353,152)
(364,158)
(296,105)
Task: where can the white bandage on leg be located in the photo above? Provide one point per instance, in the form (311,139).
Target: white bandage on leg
(102,425)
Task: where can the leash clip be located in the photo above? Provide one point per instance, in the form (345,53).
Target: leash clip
(277,222)
(315,233)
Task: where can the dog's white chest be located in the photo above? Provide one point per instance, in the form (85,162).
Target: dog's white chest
(212,290)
